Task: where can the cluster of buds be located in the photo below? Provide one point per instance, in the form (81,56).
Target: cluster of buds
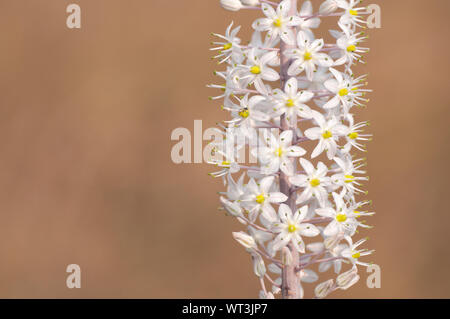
(299,201)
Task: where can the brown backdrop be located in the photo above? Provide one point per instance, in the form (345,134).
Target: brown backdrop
(85,170)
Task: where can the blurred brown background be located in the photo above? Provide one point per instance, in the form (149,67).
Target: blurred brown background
(85,169)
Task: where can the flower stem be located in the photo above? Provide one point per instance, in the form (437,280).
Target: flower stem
(290,281)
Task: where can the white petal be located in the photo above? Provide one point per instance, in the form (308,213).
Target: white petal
(295,151)
(266,183)
(277,197)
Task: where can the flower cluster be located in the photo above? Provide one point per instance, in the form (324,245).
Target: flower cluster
(299,203)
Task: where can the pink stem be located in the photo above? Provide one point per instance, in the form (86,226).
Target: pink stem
(290,280)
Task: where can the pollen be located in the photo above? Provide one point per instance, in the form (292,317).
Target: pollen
(353,135)
(290,103)
(277,23)
(227,46)
(226,163)
(349,178)
(279,152)
(244,113)
(327,134)
(341,218)
(356,255)
(255,69)
(351,48)
(343,92)
(314,182)
(353,12)
(260,199)
(307,56)
(292,228)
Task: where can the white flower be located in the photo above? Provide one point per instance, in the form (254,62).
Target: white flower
(229,88)
(343,90)
(351,17)
(277,155)
(228,152)
(316,84)
(343,219)
(307,56)
(291,101)
(328,6)
(354,135)
(261,47)
(335,257)
(246,113)
(328,132)
(277,23)
(314,183)
(353,254)
(235,190)
(259,197)
(308,23)
(260,236)
(229,48)
(257,70)
(245,240)
(346,177)
(231,5)
(350,49)
(290,228)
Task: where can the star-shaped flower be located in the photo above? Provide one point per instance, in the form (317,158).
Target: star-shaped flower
(278,23)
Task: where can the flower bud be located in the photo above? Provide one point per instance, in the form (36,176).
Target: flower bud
(232,208)
(332,241)
(328,6)
(324,289)
(252,3)
(263,295)
(231,5)
(245,240)
(258,265)
(347,279)
(276,290)
(286,256)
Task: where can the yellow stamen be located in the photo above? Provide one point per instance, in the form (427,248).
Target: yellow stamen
(290,103)
(226,163)
(341,218)
(277,23)
(351,48)
(279,152)
(353,12)
(353,135)
(227,46)
(260,199)
(314,182)
(343,92)
(244,113)
(349,178)
(327,134)
(292,228)
(307,56)
(356,255)
(255,69)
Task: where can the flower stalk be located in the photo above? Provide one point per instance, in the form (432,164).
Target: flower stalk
(312,106)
